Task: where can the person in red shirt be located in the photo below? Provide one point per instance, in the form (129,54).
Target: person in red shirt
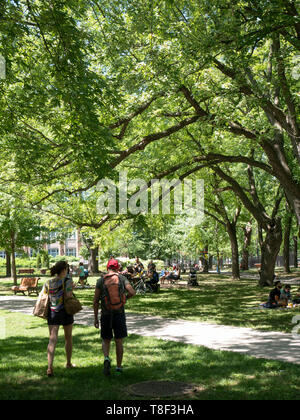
(113,322)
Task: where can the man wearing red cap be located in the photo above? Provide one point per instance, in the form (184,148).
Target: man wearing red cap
(112,320)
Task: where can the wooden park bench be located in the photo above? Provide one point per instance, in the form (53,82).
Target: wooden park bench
(26,271)
(28,284)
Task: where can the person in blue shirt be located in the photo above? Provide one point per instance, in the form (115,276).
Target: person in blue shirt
(154,279)
(285,294)
(81,274)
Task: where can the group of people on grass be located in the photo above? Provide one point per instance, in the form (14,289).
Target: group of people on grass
(137,270)
(281,296)
(170,274)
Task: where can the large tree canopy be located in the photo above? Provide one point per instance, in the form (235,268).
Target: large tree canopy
(158,88)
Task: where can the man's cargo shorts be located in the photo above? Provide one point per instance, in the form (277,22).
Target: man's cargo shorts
(113,323)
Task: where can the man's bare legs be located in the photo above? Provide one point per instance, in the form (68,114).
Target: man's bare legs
(119,351)
(106,347)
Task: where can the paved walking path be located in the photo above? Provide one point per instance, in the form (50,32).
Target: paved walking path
(269,345)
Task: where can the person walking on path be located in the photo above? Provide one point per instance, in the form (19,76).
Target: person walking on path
(81,274)
(111,290)
(60,287)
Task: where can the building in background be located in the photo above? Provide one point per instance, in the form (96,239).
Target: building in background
(70,247)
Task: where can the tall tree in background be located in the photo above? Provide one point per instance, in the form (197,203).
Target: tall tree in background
(92,87)
(18,228)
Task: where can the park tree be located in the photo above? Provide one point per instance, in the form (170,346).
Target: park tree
(18,228)
(254,47)
(91,87)
(247,241)
(225,208)
(266,215)
(290,232)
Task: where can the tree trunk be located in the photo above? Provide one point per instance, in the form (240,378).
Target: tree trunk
(210,262)
(286,248)
(218,263)
(231,230)
(205,260)
(295,239)
(269,251)
(247,242)
(13,258)
(278,161)
(93,265)
(8,264)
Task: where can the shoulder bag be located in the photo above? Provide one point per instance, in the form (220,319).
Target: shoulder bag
(71,303)
(41,307)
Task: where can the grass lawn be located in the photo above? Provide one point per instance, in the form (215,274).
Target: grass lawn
(218,300)
(218,375)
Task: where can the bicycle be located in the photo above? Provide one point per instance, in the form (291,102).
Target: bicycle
(141,287)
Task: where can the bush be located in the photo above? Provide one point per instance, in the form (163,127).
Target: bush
(45,259)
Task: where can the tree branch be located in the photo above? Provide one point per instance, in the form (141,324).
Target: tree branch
(124,122)
(264,102)
(263,219)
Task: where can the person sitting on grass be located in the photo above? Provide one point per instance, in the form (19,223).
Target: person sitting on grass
(164,272)
(129,273)
(154,279)
(151,267)
(285,294)
(138,266)
(192,281)
(174,275)
(274,297)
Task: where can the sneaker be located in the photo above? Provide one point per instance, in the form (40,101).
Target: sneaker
(106,369)
(119,370)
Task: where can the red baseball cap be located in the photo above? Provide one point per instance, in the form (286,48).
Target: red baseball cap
(113,264)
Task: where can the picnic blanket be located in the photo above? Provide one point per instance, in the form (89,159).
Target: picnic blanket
(272,309)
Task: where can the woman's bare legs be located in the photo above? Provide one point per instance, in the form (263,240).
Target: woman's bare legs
(69,343)
(53,331)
